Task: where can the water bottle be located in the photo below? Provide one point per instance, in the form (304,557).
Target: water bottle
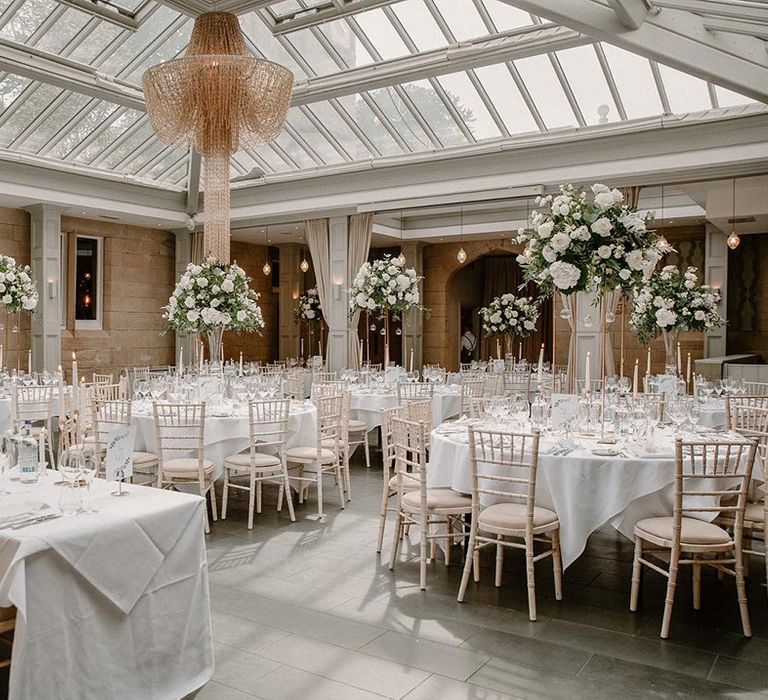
(539,412)
(26,455)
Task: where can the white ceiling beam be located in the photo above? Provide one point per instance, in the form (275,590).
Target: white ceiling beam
(631,13)
(69,75)
(730,26)
(192,8)
(673,37)
(113,15)
(748,12)
(460,57)
(301,19)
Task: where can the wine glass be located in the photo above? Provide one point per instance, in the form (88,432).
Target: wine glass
(677,411)
(5,463)
(520,409)
(69,468)
(694,412)
(89,467)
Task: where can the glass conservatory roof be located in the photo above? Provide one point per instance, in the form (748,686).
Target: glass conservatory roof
(585,84)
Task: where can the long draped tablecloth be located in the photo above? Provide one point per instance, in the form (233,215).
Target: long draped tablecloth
(366,405)
(112,604)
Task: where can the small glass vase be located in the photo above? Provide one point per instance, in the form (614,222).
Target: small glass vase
(216,346)
(670,350)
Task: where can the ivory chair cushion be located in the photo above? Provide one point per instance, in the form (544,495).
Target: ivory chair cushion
(512,516)
(186,467)
(409,482)
(437,499)
(260,461)
(309,454)
(693,531)
(754,512)
(357,426)
(141,458)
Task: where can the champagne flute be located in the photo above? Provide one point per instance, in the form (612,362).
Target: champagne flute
(89,466)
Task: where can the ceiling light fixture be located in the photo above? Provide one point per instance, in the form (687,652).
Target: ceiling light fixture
(304,266)
(733,240)
(267,269)
(461,256)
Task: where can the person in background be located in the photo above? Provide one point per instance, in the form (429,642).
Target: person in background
(468,345)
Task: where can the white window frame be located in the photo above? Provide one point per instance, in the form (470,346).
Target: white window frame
(95,325)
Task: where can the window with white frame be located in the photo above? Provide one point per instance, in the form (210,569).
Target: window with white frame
(88,281)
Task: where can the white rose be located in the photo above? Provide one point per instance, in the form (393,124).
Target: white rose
(699,315)
(560,242)
(529,325)
(189,302)
(635,260)
(581,234)
(665,317)
(602,227)
(604,251)
(597,188)
(564,275)
(549,254)
(545,229)
(625,274)
(29,303)
(192,316)
(241,315)
(201,282)
(391,299)
(227,286)
(310,314)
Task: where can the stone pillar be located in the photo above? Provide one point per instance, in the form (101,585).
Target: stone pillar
(183,258)
(413,327)
(336,315)
(716,275)
(290,289)
(45,222)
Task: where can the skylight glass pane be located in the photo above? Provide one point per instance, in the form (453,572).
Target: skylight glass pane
(588,83)
(27,19)
(728,98)
(170,49)
(634,81)
(127,145)
(84,127)
(462,19)
(346,43)
(134,164)
(506,98)
(63,31)
(338,128)
(273,159)
(401,118)
(370,125)
(26,109)
(547,93)
(53,122)
(506,17)
(109,135)
(295,151)
(169,158)
(380,32)
(10,88)
(421,26)
(470,105)
(178,175)
(686,93)
(96,42)
(316,141)
(435,113)
(265,44)
(312,52)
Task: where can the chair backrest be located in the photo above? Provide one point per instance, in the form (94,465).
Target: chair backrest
(420,412)
(330,411)
(179,430)
(465,366)
(387,443)
(492,384)
(268,422)
(476,408)
(70,432)
(756,388)
(105,417)
(295,386)
(110,392)
(708,470)
(517,382)
(32,403)
(102,378)
(141,373)
(409,440)
(744,411)
(329,388)
(471,388)
(414,391)
(504,465)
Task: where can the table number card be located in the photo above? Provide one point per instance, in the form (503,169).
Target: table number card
(565,409)
(119,461)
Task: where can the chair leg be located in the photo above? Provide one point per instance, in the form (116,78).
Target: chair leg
(347,479)
(396,540)
(557,564)
(286,487)
(530,576)
(470,555)
(448,541)
(319,490)
(382,516)
(423,553)
(212,492)
(696,584)
(338,470)
(301,484)
(225,494)
(669,600)
(476,565)
(636,575)
(741,590)
(367,449)
(258,497)
(251,494)
(499,560)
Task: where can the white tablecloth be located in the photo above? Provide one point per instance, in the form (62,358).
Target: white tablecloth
(712,414)
(112,604)
(228,435)
(366,405)
(586,491)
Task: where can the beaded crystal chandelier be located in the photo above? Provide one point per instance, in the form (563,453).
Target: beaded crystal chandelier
(217,98)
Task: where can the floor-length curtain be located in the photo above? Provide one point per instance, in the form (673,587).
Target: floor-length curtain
(316,231)
(631,195)
(360,227)
(197,252)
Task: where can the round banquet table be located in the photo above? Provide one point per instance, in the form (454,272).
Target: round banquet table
(366,404)
(585,490)
(229,434)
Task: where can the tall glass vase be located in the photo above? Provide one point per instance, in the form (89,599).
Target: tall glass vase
(670,350)
(216,346)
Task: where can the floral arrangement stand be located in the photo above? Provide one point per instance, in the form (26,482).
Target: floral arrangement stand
(18,294)
(508,316)
(309,311)
(210,298)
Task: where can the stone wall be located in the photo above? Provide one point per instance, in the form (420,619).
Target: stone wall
(15,241)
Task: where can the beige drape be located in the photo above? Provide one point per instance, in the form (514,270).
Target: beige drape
(316,231)
(631,195)
(360,227)
(197,253)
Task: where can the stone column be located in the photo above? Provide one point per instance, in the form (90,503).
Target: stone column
(716,275)
(336,316)
(45,222)
(290,289)
(413,327)
(183,258)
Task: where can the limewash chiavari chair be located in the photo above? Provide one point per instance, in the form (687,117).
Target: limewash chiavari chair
(492,384)
(180,435)
(102,378)
(422,506)
(477,408)
(355,431)
(141,373)
(110,392)
(705,471)
(325,389)
(471,388)
(295,386)
(756,388)
(106,415)
(327,459)
(70,433)
(414,391)
(505,465)
(517,382)
(268,421)
(34,404)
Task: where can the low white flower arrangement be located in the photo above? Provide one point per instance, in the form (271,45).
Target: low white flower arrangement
(673,301)
(581,243)
(510,314)
(385,286)
(211,296)
(17,288)
(308,308)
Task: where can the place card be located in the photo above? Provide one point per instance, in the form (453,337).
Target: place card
(565,409)
(119,460)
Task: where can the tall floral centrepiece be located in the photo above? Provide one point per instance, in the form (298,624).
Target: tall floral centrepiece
(508,315)
(672,301)
(308,307)
(588,242)
(17,288)
(213,297)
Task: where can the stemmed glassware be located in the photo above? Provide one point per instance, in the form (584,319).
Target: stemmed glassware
(5,463)
(89,467)
(69,467)
(677,411)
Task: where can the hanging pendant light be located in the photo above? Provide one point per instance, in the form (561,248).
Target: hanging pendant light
(304,266)
(267,269)
(733,240)
(461,256)
(401,257)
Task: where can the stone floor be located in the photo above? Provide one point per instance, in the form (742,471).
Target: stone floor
(309,610)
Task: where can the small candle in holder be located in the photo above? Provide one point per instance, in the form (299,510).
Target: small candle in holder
(648,367)
(688,370)
(587,379)
(241,363)
(541,365)
(498,349)
(679,360)
(635,379)
(29,361)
